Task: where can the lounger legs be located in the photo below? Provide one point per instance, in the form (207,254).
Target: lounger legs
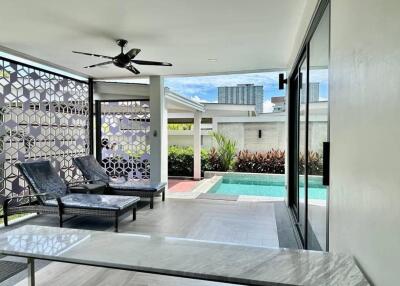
(116,222)
(60,211)
(151,201)
(134,214)
(5,211)
(31,272)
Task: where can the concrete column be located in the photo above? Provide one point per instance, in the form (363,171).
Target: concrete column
(158,131)
(197,146)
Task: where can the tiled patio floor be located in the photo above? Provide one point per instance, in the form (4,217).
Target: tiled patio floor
(251,223)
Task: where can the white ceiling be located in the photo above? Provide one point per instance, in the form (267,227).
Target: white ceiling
(243,35)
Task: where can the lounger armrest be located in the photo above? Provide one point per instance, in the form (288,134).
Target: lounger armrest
(79,182)
(71,185)
(7,201)
(32,196)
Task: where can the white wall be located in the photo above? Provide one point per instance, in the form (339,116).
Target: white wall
(112,90)
(365,135)
(234,131)
(180,140)
(158,131)
(245,134)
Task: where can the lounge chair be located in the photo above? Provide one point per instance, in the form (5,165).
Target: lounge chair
(53,196)
(93,171)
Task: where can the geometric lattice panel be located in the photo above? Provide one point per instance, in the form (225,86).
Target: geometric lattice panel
(125,147)
(42,116)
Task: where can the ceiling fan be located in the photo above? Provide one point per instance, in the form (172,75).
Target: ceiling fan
(123,60)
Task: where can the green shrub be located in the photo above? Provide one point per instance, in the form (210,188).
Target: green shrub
(180,126)
(180,161)
(226,151)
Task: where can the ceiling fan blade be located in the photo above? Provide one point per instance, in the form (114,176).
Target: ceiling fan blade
(151,63)
(93,55)
(133,53)
(131,68)
(100,64)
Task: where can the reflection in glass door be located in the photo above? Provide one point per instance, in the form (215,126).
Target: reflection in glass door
(308,132)
(302,119)
(318,133)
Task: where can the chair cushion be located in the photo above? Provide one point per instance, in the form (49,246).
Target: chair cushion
(90,201)
(137,186)
(91,169)
(43,178)
(95,188)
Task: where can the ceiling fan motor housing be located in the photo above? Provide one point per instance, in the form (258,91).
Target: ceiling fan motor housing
(122,60)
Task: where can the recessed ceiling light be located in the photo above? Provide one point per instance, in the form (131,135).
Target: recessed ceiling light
(212,60)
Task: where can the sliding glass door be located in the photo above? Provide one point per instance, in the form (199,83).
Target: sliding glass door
(302,120)
(309,137)
(318,133)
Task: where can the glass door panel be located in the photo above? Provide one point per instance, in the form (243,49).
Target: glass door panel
(317,134)
(302,179)
(308,119)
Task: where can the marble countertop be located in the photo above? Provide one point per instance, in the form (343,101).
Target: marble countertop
(229,263)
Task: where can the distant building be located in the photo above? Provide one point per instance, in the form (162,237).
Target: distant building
(242,94)
(279,103)
(314,92)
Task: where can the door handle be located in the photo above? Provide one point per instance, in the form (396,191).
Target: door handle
(325,163)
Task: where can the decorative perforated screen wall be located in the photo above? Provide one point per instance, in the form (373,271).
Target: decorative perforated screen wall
(42,116)
(124,137)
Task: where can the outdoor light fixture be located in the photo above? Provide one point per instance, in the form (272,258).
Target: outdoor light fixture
(282,81)
(259,133)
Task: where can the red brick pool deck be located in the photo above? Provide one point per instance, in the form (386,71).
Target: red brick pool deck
(179,186)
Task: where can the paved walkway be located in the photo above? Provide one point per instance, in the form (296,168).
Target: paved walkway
(179,186)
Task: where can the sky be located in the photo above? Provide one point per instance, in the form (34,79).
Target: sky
(321,76)
(205,88)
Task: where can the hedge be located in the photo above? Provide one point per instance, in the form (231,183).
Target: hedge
(272,162)
(180,162)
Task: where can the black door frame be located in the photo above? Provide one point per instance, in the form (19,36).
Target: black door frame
(295,82)
(91,115)
(293,124)
(293,146)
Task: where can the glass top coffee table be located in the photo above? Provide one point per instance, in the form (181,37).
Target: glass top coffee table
(219,262)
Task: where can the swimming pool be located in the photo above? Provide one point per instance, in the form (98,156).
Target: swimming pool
(267,186)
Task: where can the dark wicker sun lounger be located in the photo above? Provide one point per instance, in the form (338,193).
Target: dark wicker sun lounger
(53,196)
(93,171)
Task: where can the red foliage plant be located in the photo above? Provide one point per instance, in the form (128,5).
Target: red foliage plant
(272,162)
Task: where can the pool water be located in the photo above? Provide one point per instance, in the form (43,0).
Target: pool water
(267,189)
